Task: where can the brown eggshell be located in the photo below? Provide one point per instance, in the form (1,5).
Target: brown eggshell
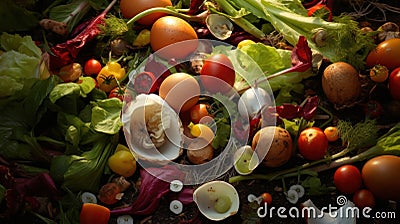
(279,142)
(181,91)
(341,84)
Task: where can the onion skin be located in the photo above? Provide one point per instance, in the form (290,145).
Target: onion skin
(251,101)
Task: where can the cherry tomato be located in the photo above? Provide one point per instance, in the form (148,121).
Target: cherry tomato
(267,198)
(199,111)
(379,73)
(331,133)
(347,179)
(386,53)
(217,74)
(245,42)
(394,83)
(312,143)
(92,67)
(145,82)
(364,198)
(117,92)
(321,11)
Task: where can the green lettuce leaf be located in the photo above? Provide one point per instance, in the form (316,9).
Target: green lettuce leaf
(106,116)
(258,60)
(19,61)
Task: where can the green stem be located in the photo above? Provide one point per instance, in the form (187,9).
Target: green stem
(49,140)
(292,171)
(196,18)
(272,176)
(329,114)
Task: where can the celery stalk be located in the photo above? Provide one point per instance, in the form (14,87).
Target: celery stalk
(239,20)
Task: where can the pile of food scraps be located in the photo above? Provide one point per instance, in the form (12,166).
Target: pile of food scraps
(177,111)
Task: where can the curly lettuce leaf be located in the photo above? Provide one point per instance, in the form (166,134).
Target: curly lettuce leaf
(269,60)
(19,61)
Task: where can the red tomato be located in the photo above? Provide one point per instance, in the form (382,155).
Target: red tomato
(198,111)
(217,74)
(364,198)
(92,67)
(145,82)
(321,11)
(347,179)
(267,198)
(312,143)
(386,53)
(394,83)
(117,92)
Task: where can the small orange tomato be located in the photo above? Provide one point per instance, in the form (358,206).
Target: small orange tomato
(199,111)
(94,213)
(110,193)
(332,133)
(267,198)
(379,73)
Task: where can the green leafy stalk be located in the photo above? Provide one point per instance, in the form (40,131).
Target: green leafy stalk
(387,144)
(341,40)
(84,172)
(170,11)
(237,17)
(71,13)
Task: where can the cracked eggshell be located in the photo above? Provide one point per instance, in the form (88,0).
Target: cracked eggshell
(136,133)
(245,160)
(220,26)
(206,195)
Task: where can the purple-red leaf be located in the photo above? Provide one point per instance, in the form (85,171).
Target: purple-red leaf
(291,111)
(195,6)
(301,60)
(301,56)
(155,185)
(66,53)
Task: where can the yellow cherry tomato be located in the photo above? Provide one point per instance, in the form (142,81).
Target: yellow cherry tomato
(122,162)
(110,75)
(245,43)
(201,131)
(142,39)
(332,133)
